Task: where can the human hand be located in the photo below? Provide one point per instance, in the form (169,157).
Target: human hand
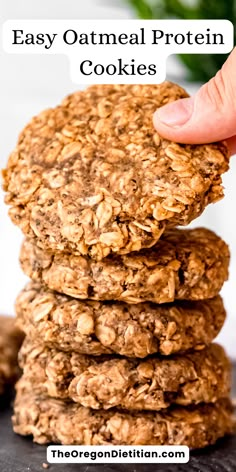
(207,116)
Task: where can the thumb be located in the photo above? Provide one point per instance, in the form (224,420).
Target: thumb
(209,115)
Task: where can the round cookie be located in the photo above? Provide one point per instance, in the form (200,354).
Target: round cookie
(131,384)
(184,264)
(92,176)
(53,421)
(10,341)
(97,328)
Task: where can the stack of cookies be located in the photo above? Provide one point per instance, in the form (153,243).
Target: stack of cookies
(123,306)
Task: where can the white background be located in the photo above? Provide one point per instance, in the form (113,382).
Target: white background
(29,84)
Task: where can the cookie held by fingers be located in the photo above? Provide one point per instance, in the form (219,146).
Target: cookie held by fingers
(92,176)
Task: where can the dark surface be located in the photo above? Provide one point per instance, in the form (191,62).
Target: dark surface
(18,454)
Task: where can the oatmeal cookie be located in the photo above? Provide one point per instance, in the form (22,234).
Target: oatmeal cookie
(89,327)
(131,384)
(92,176)
(10,341)
(184,264)
(54,421)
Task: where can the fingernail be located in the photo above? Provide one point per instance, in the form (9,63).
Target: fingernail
(175,114)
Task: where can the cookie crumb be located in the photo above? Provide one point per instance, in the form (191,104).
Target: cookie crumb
(45,465)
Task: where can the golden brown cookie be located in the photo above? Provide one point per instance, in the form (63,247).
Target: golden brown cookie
(184,264)
(131,384)
(10,341)
(92,176)
(97,328)
(54,421)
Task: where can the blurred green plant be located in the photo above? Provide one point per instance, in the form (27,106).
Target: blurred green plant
(201,67)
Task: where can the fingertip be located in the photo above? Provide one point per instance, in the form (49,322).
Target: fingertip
(175,114)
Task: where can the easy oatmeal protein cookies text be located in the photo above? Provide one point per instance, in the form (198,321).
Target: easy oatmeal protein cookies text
(93,177)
